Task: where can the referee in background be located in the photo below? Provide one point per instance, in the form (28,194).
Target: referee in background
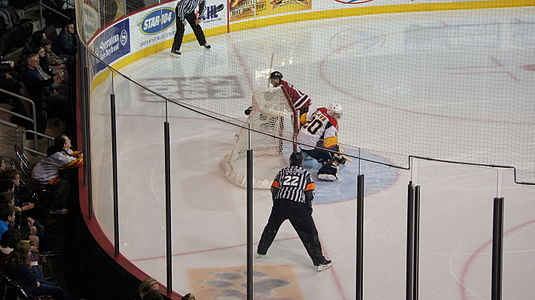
(185,13)
(292,191)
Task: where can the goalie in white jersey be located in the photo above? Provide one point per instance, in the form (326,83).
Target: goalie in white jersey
(319,132)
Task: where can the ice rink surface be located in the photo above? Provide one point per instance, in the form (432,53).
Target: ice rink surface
(448,85)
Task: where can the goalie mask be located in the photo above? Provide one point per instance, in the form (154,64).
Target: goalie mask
(335,110)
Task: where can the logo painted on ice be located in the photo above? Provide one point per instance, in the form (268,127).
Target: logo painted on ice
(157,20)
(353,1)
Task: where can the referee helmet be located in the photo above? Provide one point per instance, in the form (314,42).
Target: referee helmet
(296,159)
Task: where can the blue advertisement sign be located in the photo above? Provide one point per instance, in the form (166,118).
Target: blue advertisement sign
(112,44)
(157,20)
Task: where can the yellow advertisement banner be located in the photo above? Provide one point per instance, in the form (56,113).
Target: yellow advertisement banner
(270,282)
(244,9)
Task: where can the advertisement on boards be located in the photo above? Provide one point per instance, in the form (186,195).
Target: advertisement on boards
(158,24)
(245,9)
(91,18)
(337,4)
(111,45)
(153,26)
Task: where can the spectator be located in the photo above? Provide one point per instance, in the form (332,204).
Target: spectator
(6,185)
(47,172)
(17,266)
(9,241)
(43,63)
(22,196)
(65,44)
(146,286)
(47,72)
(28,230)
(188,296)
(54,61)
(26,209)
(42,92)
(34,42)
(7,217)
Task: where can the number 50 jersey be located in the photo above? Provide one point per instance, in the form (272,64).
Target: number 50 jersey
(291,183)
(319,126)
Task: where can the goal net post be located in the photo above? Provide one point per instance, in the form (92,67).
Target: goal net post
(272,129)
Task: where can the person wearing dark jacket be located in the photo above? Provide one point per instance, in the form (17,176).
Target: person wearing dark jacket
(292,191)
(43,93)
(17,266)
(185,13)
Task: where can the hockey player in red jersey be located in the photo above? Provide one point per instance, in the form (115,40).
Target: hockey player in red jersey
(300,101)
(319,132)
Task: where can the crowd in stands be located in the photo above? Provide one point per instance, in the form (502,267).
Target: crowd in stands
(25,211)
(40,68)
(43,73)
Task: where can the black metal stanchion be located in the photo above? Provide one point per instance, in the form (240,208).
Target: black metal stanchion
(360,236)
(416,244)
(85,123)
(168,248)
(114,175)
(409,287)
(249,224)
(497,249)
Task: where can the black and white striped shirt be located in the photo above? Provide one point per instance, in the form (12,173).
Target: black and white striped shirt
(188,6)
(291,183)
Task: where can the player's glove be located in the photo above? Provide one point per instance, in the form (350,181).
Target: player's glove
(341,159)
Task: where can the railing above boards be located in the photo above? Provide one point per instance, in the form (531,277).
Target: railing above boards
(33,119)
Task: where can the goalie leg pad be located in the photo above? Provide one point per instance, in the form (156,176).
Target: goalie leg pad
(328,172)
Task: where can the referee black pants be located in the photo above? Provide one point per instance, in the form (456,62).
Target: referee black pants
(300,216)
(179,35)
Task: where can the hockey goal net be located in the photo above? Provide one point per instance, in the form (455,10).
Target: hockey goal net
(273,126)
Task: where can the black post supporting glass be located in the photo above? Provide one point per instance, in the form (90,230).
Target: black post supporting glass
(85,129)
(114,169)
(497,249)
(416,244)
(409,288)
(360,235)
(249,224)
(168,251)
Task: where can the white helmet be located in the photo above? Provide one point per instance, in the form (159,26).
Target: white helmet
(335,110)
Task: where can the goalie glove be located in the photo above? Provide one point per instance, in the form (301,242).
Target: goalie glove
(340,159)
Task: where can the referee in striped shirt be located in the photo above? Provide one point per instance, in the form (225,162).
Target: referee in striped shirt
(292,191)
(185,13)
